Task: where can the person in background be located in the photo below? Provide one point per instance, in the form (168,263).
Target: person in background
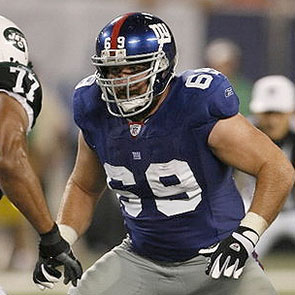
(272,107)
(20,105)
(224,55)
(166,144)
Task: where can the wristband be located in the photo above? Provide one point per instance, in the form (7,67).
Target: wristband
(68,233)
(50,237)
(255,222)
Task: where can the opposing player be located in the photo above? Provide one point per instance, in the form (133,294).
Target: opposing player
(166,145)
(20,105)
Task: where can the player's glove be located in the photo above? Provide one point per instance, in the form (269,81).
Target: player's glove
(45,275)
(230,255)
(54,251)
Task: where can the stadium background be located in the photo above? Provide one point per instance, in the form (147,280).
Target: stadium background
(61,36)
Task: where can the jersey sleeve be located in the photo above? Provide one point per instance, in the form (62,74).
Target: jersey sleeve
(211,95)
(223,101)
(79,107)
(22,84)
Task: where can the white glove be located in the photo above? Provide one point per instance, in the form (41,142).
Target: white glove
(228,258)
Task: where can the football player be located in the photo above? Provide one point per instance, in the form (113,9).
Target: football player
(166,145)
(20,105)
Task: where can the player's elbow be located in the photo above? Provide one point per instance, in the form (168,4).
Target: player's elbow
(285,173)
(290,175)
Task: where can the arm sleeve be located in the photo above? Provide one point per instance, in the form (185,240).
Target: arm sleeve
(79,115)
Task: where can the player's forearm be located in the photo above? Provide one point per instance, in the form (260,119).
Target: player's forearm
(77,207)
(274,182)
(22,187)
(17,178)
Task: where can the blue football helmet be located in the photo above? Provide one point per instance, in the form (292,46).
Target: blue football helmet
(131,40)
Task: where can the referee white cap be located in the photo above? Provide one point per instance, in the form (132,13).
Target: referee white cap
(273,93)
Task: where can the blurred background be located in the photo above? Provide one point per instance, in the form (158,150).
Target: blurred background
(245,39)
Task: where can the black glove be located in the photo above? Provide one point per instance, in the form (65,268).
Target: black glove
(54,251)
(228,258)
(45,273)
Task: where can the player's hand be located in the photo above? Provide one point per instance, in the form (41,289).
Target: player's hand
(54,251)
(230,255)
(45,274)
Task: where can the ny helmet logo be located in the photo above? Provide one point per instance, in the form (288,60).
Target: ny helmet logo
(162,33)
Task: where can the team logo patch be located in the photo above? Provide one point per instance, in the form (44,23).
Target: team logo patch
(162,33)
(16,37)
(134,128)
(136,155)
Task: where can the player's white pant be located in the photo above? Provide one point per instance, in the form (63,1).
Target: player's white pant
(122,272)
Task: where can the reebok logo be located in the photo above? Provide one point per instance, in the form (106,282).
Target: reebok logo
(236,247)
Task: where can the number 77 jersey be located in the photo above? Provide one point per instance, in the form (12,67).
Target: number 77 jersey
(21,83)
(176,196)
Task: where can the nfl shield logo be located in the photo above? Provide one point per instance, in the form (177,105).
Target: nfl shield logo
(135,128)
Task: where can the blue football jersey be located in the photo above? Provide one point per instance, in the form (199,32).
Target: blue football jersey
(176,196)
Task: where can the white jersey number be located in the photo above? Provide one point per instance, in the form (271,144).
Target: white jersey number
(185,189)
(21,73)
(201,79)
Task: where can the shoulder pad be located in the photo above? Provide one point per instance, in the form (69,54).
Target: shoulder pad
(208,71)
(204,79)
(212,92)
(88,81)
